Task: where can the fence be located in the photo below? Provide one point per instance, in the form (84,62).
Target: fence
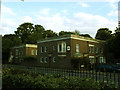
(107,77)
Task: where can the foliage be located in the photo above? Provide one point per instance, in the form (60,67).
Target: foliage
(103,34)
(25,79)
(9,41)
(65,32)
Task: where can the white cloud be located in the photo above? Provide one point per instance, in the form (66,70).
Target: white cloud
(5,10)
(45,11)
(113,13)
(27,19)
(83,4)
(64,11)
(84,22)
(7,26)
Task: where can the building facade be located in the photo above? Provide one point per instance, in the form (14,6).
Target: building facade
(57,52)
(18,52)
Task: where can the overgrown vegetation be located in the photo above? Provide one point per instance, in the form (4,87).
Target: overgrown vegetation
(15,78)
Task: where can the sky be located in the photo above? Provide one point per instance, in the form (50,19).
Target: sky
(83,15)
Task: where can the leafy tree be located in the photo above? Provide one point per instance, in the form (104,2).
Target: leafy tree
(113,47)
(38,33)
(9,41)
(85,35)
(103,34)
(24,30)
(65,32)
(49,33)
(77,32)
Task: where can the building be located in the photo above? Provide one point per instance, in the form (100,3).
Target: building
(18,52)
(57,52)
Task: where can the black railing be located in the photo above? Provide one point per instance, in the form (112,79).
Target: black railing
(108,77)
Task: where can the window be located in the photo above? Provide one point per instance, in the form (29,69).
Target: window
(16,51)
(41,60)
(101,50)
(62,47)
(54,59)
(45,49)
(32,52)
(91,49)
(101,59)
(45,59)
(41,49)
(36,52)
(77,48)
(92,60)
(96,50)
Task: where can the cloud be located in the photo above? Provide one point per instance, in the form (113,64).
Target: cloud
(5,10)
(84,22)
(83,4)
(45,11)
(64,11)
(7,26)
(27,19)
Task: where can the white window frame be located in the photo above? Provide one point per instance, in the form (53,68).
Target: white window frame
(41,59)
(63,47)
(45,49)
(77,48)
(36,52)
(32,52)
(54,59)
(45,59)
(91,49)
(96,50)
(42,50)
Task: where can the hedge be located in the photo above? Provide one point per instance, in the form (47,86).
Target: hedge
(23,79)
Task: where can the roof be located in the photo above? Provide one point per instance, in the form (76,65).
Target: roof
(70,36)
(26,45)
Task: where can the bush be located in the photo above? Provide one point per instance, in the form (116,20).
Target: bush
(27,79)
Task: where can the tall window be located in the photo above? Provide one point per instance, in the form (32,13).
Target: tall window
(96,50)
(36,52)
(62,47)
(45,49)
(41,49)
(41,60)
(77,48)
(101,50)
(45,59)
(91,49)
(32,52)
(54,59)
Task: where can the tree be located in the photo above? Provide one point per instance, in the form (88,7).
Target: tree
(103,34)
(65,32)
(9,41)
(85,35)
(113,47)
(49,33)
(24,30)
(77,32)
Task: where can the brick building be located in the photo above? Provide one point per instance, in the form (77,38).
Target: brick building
(57,52)
(18,52)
